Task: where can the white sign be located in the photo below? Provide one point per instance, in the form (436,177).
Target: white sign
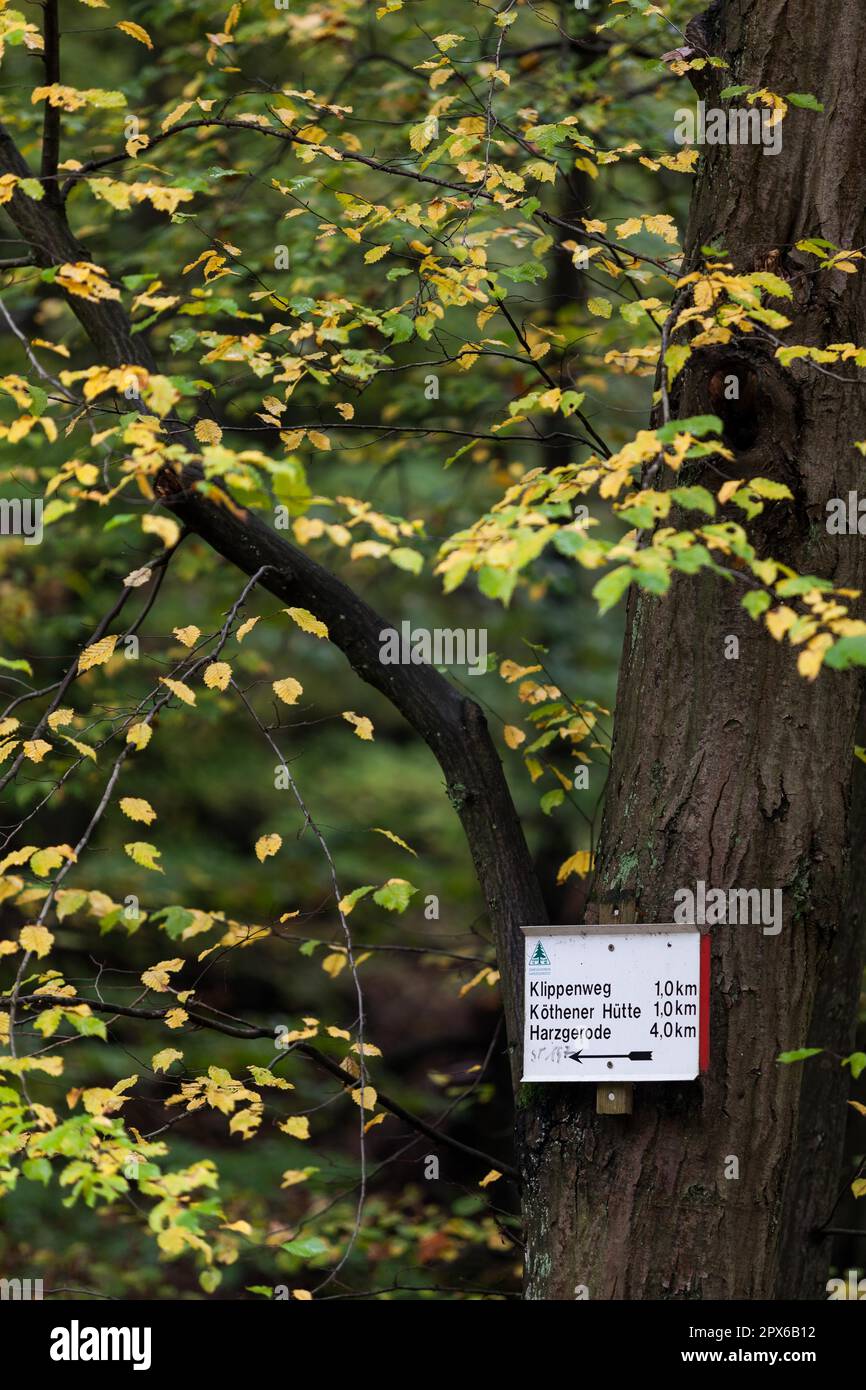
(615,1004)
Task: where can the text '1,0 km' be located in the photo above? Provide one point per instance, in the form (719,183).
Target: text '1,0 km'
(613,1003)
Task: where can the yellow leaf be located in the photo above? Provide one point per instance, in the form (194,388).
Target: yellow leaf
(347,411)
(176,1018)
(334,963)
(245,628)
(97,653)
(178,688)
(144,854)
(157,976)
(176,114)
(318,440)
(218,675)
(493,1176)
(35,749)
(208,432)
(302,1295)
(376,1120)
(38,939)
(292,1176)
(44,860)
(288,690)
(16,857)
(365,1097)
(375,254)
(333,1032)
(55,719)
(165,527)
(7,747)
(139,735)
(389,834)
(779,620)
(296,1125)
(137,809)
(513,736)
(421,135)
(135,31)
(579,863)
(266,845)
(161,1061)
(728,489)
(307,622)
(811,659)
(363,726)
(188,636)
(263,1077)
(510,671)
(483,974)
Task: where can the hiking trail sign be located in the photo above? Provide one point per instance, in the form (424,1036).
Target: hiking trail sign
(616,1003)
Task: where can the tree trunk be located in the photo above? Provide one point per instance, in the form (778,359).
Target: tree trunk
(738,772)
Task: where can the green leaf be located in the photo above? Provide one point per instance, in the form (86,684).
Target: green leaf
(37,1170)
(765,487)
(696,424)
(696,498)
(800,1055)
(525,273)
(18,665)
(349,901)
(847,652)
(804,99)
(89,1027)
(496,583)
(756,603)
(406,559)
(176,920)
(611,587)
(395,896)
(857,1063)
(306,1248)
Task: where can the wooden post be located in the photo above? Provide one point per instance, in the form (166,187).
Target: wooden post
(614,1098)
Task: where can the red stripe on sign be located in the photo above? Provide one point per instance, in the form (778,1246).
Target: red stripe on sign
(704,1006)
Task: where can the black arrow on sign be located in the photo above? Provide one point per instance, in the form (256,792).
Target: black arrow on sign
(627,1056)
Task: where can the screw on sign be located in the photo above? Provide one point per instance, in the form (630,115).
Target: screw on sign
(639,993)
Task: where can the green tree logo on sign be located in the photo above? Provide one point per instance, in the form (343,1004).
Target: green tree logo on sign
(539,956)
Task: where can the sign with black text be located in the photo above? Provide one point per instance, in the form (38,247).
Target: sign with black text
(614,1003)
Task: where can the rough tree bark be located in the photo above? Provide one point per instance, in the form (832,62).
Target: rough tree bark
(738,772)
